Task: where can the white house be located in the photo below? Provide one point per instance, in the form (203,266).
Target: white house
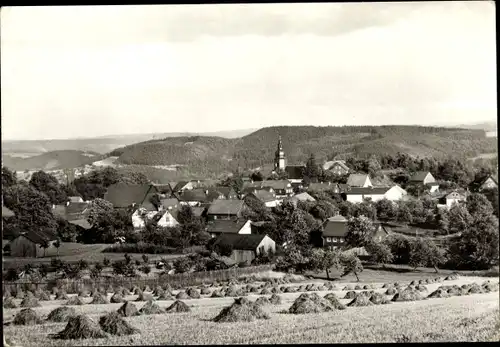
(359,180)
(394,193)
(168,219)
(423,177)
(217,227)
(454,198)
(140,216)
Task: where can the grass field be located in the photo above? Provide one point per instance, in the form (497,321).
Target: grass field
(73,252)
(465,318)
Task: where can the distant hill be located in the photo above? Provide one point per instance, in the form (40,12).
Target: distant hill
(209,155)
(102,144)
(486,126)
(53,160)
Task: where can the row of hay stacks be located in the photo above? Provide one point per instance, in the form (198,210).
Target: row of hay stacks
(466,289)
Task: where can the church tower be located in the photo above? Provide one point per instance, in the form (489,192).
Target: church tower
(279,158)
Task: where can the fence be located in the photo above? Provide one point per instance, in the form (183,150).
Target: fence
(176,280)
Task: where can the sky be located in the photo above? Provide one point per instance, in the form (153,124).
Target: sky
(84,71)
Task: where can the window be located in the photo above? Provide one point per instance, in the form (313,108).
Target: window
(341,240)
(215,217)
(328,239)
(334,239)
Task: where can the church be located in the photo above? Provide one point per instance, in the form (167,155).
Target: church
(294,172)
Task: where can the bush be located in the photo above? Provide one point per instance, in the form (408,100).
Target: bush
(11,275)
(183,264)
(141,248)
(146,269)
(106,262)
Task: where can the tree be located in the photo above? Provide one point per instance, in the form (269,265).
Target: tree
(365,208)
(49,185)
(57,245)
(404,213)
(312,170)
(477,248)
(257,176)
(351,264)
(424,252)
(492,196)
(441,220)
(478,204)
(9,178)
(100,217)
(400,248)
(373,165)
(379,252)
(145,258)
(386,210)
(459,219)
(182,264)
(324,260)
(359,231)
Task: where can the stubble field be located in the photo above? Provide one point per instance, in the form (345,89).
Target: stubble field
(459,318)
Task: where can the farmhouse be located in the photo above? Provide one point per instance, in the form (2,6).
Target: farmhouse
(76,210)
(295,173)
(217,227)
(123,195)
(334,231)
(246,247)
(226,209)
(323,187)
(359,180)
(227,192)
(252,189)
(75,199)
(193,197)
(422,177)
(338,167)
(166,218)
(7,213)
(269,199)
(455,197)
(29,244)
(394,193)
(282,188)
(489,183)
(302,197)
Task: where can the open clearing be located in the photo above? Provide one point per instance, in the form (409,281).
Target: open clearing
(459,318)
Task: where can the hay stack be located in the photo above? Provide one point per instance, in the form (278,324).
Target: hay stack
(452,277)
(43,295)
(99,299)
(254,289)
(125,291)
(439,293)
(242,310)
(193,293)
(206,291)
(350,295)
(74,301)
(217,294)
(367,286)
(61,314)
(62,295)
(128,309)
(379,299)
(146,289)
(232,291)
(182,296)
(114,324)
(262,301)
(275,299)
(390,291)
(454,290)
(358,287)
(9,303)
(310,303)
(475,289)
(387,285)
(421,288)
(158,291)
(151,308)
(276,290)
(30,301)
(348,287)
(117,298)
(360,300)
(322,288)
(166,296)
(407,295)
(178,306)
(27,316)
(136,290)
(110,289)
(334,301)
(80,327)
(144,296)
(414,282)
(490,287)
(19,294)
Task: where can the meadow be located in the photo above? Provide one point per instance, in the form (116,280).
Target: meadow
(471,317)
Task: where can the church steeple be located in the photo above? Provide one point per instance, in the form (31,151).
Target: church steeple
(279,158)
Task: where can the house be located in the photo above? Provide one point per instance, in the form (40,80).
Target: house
(422,177)
(359,180)
(246,247)
(198,211)
(123,195)
(455,197)
(181,186)
(75,199)
(323,186)
(269,199)
(29,244)
(334,231)
(76,210)
(433,187)
(81,223)
(7,213)
(253,189)
(226,209)
(168,218)
(489,183)
(302,197)
(394,193)
(193,197)
(217,227)
(141,215)
(338,167)
(282,188)
(295,173)
(165,189)
(169,203)
(227,192)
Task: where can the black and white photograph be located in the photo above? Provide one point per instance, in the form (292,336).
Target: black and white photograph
(249,173)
